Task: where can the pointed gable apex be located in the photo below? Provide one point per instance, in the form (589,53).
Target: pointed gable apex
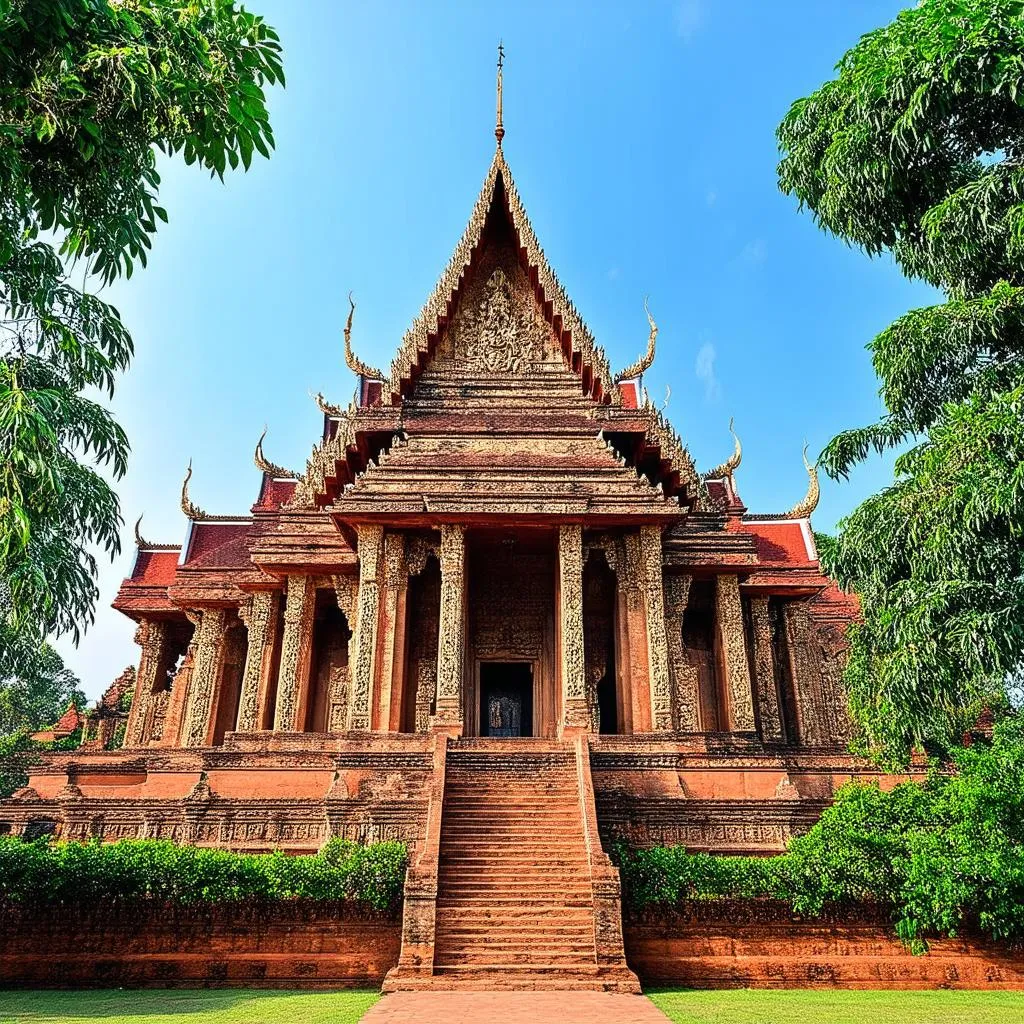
(582,354)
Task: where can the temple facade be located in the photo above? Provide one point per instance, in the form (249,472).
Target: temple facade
(500,594)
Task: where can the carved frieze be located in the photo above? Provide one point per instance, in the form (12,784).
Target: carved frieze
(574,682)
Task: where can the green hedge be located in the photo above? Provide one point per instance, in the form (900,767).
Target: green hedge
(69,872)
(939,855)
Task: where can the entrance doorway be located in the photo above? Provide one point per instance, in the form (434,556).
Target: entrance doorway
(506,698)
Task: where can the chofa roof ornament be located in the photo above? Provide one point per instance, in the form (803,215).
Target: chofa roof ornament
(191,510)
(268,467)
(803,509)
(352,361)
(644,362)
(327,408)
(731,464)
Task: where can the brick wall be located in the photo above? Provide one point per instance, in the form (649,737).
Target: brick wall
(762,944)
(299,943)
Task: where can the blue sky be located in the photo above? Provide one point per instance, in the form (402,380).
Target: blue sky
(641,137)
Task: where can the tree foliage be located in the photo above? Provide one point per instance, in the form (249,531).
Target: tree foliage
(91,91)
(939,856)
(915,148)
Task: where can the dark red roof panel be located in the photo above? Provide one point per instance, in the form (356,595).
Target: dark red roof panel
(779,543)
(218,544)
(155,567)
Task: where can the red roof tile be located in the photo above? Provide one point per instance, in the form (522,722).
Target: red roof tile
(218,544)
(779,543)
(68,722)
(274,493)
(155,567)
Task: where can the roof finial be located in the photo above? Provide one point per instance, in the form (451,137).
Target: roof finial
(191,510)
(352,361)
(270,468)
(499,128)
(643,364)
(803,509)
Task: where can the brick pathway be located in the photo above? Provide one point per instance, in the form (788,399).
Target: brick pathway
(514,1008)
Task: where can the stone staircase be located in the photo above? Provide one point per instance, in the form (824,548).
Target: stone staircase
(515,887)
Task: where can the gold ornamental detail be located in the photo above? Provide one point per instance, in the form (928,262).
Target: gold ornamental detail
(643,364)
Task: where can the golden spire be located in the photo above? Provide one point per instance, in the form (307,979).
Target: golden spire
(803,509)
(499,127)
(731,464)
(266,466)
(644,362)
(191,510)
(356,365)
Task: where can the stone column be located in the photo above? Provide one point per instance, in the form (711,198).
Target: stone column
(208,646)
(575,712)
(764,670)
(260,617)
(729,615)
(654,612)
(805,669)
(346,591)
(633,665)
(152,637)
(388,709)
(296,646)
(370,542)
(451,632)
(684,676)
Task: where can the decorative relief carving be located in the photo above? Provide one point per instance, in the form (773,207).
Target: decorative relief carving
(295,646)
(685,677)
(729,612)
(657,644)
(340,684)
(426,691)
(371,541)
(208,646)
(418,550)
(260,617)
(503,335)
(764,669)
(152,637)
(451,639)
(574,680)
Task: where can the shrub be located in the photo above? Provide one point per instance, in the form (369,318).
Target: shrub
(72,872)
(937,854)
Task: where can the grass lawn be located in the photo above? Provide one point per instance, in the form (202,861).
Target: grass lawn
(806,1006)
(185,1006)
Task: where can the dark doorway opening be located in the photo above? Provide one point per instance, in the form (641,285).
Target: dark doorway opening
(506,698)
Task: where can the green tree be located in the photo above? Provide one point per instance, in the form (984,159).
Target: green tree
(915,149)
(91,91)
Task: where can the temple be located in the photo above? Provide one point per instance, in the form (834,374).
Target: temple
(500,616)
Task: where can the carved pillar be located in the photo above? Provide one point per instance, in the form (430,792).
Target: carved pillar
(654,612)
(631,629)
(370,543)
(733,644)
(296,647)
(152,637)
(346,591)
(208,647)
(260,617)
(764,670)
(684,676)
(805,668)
(451,639)
(388,708)
(569,636)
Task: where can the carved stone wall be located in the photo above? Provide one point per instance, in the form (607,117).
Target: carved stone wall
(371,542)
(451,643)
(295,651)
(763,658)
(732,638)
(599,639)
(806,670)
(208,647)
(684,676)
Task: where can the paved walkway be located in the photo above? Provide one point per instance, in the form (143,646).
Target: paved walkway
(514,1008)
